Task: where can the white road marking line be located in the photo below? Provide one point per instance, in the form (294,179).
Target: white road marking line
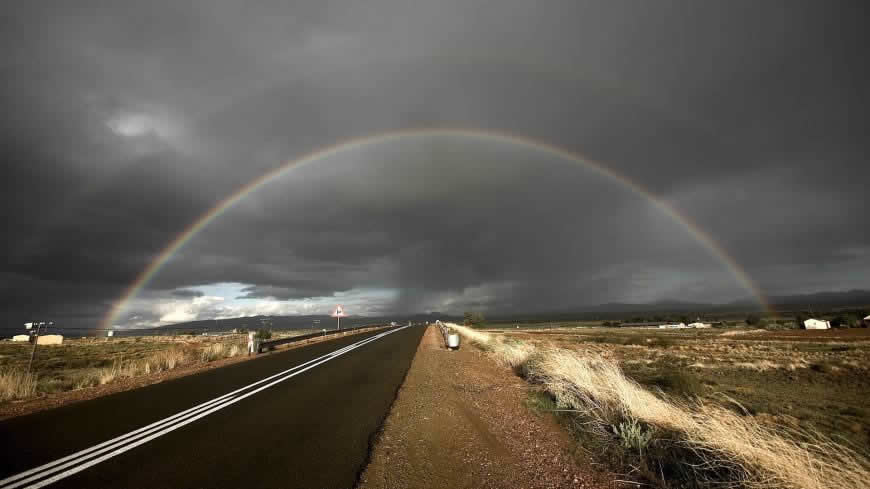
(214,407)
(157,424)
(167,425)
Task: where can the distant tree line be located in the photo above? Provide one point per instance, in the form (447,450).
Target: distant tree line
(473,318)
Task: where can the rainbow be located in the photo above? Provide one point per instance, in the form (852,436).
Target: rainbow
(355,144)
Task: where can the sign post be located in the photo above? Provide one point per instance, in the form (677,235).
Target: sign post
(337,314)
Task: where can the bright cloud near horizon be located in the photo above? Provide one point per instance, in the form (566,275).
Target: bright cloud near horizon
(129,121)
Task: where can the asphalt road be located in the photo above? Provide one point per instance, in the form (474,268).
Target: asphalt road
(308,425)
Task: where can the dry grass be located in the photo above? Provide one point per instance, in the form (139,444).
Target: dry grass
(212,352)
(763,456)
(16,384)
(160,361)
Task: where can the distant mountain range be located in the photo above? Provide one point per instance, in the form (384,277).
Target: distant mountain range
(827,299)
(820,299)
(614,310)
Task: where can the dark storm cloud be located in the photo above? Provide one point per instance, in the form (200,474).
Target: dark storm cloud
(187,293)
(126,121)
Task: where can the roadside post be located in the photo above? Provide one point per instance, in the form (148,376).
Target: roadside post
(337,314)
(250,343)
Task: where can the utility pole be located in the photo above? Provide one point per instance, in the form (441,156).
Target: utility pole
(35,338)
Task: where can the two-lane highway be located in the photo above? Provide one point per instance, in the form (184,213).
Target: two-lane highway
(299,418)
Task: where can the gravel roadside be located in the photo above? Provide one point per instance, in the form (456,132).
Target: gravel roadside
(461,421)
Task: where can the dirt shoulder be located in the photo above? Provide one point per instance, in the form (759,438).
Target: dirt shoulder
(11,409)
(461,421)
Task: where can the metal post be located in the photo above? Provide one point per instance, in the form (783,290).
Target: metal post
(338,328)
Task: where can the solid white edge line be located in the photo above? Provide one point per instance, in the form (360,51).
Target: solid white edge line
(101,447)
(151,427)
(133,445)
(44,469)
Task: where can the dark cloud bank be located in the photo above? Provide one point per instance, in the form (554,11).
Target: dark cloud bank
(124,121)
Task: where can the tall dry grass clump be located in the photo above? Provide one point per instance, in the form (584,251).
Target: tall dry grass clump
(473,335)
(212,352)
(16,384)
(168,359)
(765,457)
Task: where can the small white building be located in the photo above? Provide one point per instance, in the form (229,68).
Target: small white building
(21,337)
(817,324)
(50,339)
(672,326)
(700,325)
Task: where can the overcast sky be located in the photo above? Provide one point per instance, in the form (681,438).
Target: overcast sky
(125,121)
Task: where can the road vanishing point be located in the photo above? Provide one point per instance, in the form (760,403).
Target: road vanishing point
(303,418)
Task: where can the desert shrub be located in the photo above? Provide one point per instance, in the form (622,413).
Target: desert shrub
(168,359)
(799,319)
(88,379)
(120,369)
(777,326)
(678,383)
(633,435)
(263,334)
(661,342)
(212,352)
(821,367)
(16,384)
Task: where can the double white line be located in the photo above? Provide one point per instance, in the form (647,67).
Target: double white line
(81,460)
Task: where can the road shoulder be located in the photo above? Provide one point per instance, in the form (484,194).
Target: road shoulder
(460,421)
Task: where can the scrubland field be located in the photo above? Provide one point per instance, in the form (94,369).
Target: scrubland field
(702,408)
(816,380)
(83,363)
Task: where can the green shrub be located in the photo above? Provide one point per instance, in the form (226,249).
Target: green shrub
(633,435)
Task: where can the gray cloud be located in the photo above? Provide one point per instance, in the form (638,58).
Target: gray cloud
(187,293)
(128,121)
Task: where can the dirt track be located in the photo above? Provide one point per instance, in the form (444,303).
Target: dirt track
(461,421)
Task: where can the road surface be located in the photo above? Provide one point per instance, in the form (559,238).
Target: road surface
(297,418)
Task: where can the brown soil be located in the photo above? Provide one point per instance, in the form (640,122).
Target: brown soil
(461,421)
(12,409)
